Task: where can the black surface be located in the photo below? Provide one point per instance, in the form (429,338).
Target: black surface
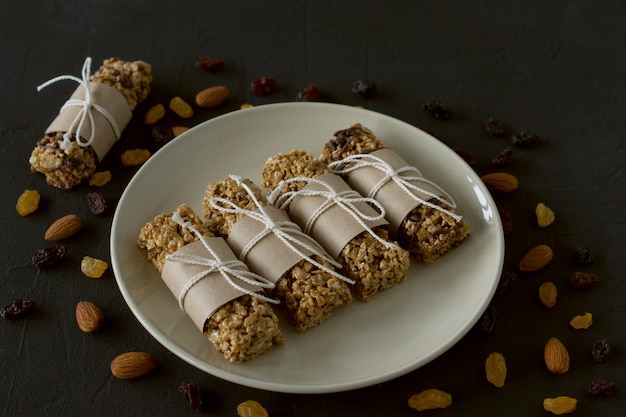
(553,68)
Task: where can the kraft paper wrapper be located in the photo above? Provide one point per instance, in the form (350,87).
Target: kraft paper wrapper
(211,292)
(334,228)
(397,203)
(103,95)
(269,257)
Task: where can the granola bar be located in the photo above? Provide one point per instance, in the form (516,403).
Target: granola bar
(371,264)
(426,232)
(308,293)
(66,168)
(243,328)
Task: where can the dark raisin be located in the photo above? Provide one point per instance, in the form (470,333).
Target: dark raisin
(162,134)
(193,395)
(583,256)
(17,308)
(487,323)
(97,203)
(210,64)
(467,157)
(507,222)
(506,280)
(600,387)
(366,89)
(525,139)
(262,86)
(437,110)
(311,93)
(503,158)
(49,256)
(582,279)
(494,127)
(600,350)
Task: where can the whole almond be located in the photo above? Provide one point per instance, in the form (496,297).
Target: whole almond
(536,258)
(64,227)
(133,364)
(212,96)
(88,316)
(556,357)
(500,182)
(179,130)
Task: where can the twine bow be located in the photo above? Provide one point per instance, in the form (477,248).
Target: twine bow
(230,270)
(85,113)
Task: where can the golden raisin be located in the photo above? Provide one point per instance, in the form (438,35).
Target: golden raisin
(154,114)
(92,267)
(100,179)
(27,202)
(133,157)
(430,399)
(547,294)
(582,322)
(545,216)
(495,369)
(246,106)
(181,107)
(251,408)
(560,405)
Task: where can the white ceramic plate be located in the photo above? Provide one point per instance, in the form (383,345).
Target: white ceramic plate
(363,343)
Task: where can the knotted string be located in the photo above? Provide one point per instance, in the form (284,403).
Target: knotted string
(230,270)
(286,231)
(400,177)
(346,200)
(85,112)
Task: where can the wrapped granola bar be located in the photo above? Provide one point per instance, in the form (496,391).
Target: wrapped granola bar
(91,121)
(421,214)
(196,266)
(342,221)
(307,283)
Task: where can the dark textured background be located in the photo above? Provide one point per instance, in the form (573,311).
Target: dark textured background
(554,68)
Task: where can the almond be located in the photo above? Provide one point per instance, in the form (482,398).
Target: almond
(500,182)
(133,365)
(212,96)
(556,357)
(88,316)
(64,227)
(536,258)
(179,130)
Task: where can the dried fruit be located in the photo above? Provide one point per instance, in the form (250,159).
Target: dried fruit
(17,308)
(246,106)
(310,93)
(89,317)
(181,107)
(100,179)
(437,110)
(154,114)
(545,215)
(133,364)
(494,127)
(134,157)
(582,321)
(500,182)
(600,350)
(507,222)
(210,64)
(27,202)
(506,280)
(430,399)
(600,387)
(582,279)
(92,267)
(49,256)
(467,157)
(161,134)
(487,323)
(179,130)
(193,395)
(525,139)
(495,369)
(503,158)
(583,256)
(97,203)
(547,294)
(64,227)
(212,96)
(263,86)
(251,408)
(560,405)
(536,258)
(365,88)
(556,356)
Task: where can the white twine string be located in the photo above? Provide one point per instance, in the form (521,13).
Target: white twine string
(230,270)
(399,176)
(346,200)
(286,231)
(85,112)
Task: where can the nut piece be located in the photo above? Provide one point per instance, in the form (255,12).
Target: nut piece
(212,96)
(88,316)
(64,227)
(556,357)
(133,365)
(500,182)
(179,130)
(536,258)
